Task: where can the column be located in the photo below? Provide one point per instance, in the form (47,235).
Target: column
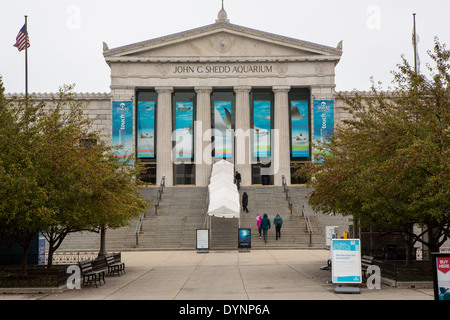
(242,135)
(164,165)
(281,155)
(203,159)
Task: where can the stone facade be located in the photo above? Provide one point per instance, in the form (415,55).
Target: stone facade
(214,57)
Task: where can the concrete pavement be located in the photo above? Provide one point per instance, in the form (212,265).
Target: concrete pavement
(224,275)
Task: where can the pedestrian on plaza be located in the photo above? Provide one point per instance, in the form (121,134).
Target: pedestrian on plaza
(265,226)
(237,177)
(245,202)
(277,222)
(258,223)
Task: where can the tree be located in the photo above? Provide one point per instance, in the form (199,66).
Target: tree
(70,179)
(388,165)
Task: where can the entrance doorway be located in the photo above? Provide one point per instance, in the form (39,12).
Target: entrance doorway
(184,174)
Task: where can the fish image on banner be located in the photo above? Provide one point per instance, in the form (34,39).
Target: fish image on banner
(299,129)
(261,132)
(223,138)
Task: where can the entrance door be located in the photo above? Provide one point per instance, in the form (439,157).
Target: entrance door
(184,174)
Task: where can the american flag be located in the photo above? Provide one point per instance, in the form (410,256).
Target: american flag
(22,39)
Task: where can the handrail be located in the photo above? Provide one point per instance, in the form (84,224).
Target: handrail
(160,192)
(286,190)
(144,214)
(307,223)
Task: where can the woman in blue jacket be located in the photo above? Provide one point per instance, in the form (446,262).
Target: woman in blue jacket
(265,226)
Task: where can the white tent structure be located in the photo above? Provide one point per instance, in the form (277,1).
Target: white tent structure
(223,194)
(224,201)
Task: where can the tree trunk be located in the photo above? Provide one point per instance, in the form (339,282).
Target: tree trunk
(102,251)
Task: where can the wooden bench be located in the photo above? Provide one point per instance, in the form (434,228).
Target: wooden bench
(366,262)
(92,272)
(114,264)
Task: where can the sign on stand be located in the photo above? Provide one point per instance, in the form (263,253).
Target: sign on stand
(441,276)
(202,240)
(244,239)
(346,264)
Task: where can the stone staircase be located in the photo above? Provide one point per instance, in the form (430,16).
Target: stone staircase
(183,210)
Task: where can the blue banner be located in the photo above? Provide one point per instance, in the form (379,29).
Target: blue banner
(323,120)
(146,129)
(223,139)
(184,130)
(299,129)
(122,127)
(261,130)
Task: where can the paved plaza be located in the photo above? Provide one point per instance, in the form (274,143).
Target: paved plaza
(258,275)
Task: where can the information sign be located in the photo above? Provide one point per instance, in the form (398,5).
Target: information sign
(441,276)
(245,238)
(346,261)
(202,239)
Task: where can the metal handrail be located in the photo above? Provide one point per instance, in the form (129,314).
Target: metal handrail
(144,214)
(308,225)
(286,191)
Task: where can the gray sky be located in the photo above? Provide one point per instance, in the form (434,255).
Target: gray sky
(66,35)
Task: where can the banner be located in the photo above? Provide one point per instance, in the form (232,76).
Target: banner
(244,238)
(122,127)
(261,126)
(223,138)
(346,261)
(441,276)
(299,129)
(146,129)
(323,120)
(184,130)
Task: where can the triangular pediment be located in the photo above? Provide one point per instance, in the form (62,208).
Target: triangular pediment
(221,40)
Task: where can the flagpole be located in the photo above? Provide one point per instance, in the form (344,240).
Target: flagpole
(26,63)
(415,43)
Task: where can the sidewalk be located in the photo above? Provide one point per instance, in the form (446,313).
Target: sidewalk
(224,275)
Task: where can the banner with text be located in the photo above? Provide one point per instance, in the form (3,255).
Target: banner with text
(323,120)
(122,128)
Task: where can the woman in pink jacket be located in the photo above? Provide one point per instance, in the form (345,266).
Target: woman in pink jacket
(258,223)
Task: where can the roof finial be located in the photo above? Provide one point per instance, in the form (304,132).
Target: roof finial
(222,17)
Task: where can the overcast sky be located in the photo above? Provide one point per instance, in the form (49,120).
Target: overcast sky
(66,35)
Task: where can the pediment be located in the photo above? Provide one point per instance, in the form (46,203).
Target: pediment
(221,41)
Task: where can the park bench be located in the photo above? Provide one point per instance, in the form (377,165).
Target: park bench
(114,264)
(366,262)
(92,271)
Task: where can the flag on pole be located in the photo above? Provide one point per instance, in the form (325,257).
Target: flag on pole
(22,40)
(415,41)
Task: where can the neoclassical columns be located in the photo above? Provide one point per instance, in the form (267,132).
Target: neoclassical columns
(242,138)
(281,154)
(202,131)
(202,142)
(164,165)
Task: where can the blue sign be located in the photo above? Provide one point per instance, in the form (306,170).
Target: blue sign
(299,129)
(122,128)
(146,129)
(323,120)
(244,238)
(346,261)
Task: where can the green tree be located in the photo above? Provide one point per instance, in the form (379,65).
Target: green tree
(388,164)
(71,180)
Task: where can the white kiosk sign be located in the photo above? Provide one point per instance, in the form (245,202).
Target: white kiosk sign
(346,261)
(202,239)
